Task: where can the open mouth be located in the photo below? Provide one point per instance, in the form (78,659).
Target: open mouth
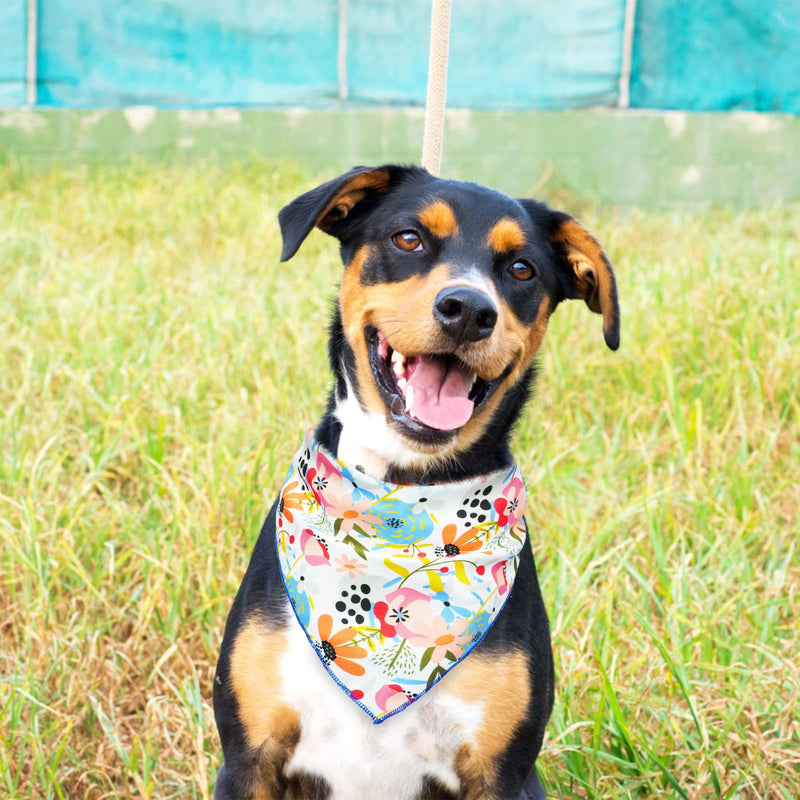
(431,395)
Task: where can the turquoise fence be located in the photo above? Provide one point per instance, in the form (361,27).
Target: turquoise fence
(550,54)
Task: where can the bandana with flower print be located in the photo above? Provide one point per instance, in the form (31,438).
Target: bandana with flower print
(395,585)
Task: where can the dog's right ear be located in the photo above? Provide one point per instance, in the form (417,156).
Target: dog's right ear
(330,203)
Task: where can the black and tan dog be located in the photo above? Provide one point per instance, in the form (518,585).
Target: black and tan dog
(462,279)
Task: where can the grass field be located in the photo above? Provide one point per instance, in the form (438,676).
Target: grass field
(157,369)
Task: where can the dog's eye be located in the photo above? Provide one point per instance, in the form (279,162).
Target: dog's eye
(522,270)
(408,241)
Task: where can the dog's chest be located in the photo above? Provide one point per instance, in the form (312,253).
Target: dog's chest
(361,760)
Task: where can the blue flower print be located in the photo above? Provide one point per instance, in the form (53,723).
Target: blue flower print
(449,612)
(358,493)
(401,524)
(299,600)
(477,626)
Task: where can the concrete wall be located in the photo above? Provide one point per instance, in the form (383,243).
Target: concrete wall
(656,159)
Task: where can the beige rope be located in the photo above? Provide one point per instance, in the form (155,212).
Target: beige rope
(437,87)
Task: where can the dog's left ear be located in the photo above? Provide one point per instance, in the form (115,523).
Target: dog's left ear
(330,203)
(584,267)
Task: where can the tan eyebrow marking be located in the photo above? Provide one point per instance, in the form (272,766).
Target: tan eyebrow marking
(439,219)
(506,235)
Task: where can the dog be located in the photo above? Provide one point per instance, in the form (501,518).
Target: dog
(446,295)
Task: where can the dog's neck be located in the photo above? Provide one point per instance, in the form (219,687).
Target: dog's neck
(367,440)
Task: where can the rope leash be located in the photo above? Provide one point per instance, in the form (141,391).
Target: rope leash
(437,87)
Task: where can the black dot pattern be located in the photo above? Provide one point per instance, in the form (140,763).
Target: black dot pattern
(304,462)
(354,605)
(474,508)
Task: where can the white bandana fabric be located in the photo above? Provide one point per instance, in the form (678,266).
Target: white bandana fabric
(395,585)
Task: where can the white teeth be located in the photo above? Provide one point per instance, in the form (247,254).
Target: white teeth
(398,364)
(409,398)
(401,382)
(474,377)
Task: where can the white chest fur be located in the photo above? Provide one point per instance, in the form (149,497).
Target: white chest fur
(361,760)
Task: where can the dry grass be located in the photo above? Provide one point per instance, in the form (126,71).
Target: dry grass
(157,368)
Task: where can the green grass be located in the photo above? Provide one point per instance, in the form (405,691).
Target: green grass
(157,369)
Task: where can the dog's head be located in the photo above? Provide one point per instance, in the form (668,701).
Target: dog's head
(447,291)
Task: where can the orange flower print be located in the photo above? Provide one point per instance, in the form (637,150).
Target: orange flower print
(453,546)
(352,565)
(290,501)
(335,650)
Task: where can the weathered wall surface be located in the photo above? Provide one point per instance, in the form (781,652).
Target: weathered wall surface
(656,159)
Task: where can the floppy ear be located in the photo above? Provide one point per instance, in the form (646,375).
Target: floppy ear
(328,204)
(584,269)
(588,271)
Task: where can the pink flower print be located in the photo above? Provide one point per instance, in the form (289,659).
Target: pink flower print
(381,609)
(499,575)
(390,697)
(313,548)
(442,637)
(352,565)
(403,611)
(334,492)
(328,485)
(511,506)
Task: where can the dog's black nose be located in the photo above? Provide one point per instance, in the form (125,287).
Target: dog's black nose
(465,314)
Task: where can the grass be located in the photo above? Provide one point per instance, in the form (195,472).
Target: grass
(157,369)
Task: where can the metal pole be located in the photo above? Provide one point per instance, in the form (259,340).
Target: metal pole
(33,39)
(341,60)
(624,99)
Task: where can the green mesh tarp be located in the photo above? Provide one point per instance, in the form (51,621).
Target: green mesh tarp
(698,55)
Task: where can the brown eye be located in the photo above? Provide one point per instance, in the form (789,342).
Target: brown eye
(522,271)
(408,241)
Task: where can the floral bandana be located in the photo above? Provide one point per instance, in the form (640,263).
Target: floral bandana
(395,585)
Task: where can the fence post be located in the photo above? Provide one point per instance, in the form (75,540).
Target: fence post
(31,94)
(341,56)
(624,99)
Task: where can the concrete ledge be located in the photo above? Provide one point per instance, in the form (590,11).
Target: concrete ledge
(650,158)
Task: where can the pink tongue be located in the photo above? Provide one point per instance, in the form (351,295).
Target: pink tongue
(440,389)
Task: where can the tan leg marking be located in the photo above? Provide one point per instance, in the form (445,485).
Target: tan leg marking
(502,681)
(271,727)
